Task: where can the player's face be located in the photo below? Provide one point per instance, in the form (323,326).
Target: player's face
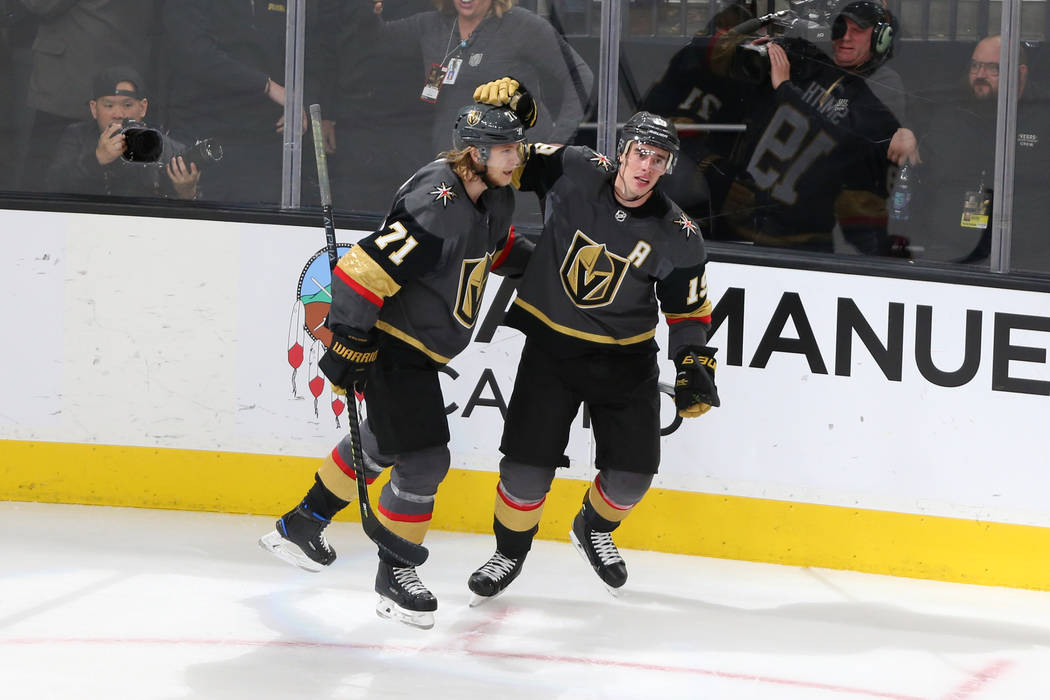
(113,109)
(984,70)
(853,48)
(471,9)
(503,161)
(642,168)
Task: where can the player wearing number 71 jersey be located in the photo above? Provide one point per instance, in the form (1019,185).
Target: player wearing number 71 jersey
(615,252)
(404,303)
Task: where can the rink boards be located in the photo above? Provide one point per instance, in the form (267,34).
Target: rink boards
(883,425)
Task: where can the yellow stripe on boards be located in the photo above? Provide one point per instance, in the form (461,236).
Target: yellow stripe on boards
(732,527)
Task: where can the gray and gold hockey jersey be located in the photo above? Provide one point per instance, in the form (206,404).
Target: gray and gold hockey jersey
(601,272)
(421,276)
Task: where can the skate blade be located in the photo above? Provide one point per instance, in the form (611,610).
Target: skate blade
(478,599)
(614,592)
(389,610)
(284,550)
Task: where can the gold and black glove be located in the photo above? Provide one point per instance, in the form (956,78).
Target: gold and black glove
(348,358)
(694,387)
(508,91)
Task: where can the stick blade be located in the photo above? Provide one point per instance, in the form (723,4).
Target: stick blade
(392,545)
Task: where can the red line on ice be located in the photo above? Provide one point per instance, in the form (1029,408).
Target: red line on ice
(978,679)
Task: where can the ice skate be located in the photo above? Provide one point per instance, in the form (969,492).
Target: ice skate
(493,577)
(600,552)
(403,597)
(298,538)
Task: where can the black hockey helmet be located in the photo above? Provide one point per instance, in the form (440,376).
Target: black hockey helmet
(650,129)
(482,125)
(868,13)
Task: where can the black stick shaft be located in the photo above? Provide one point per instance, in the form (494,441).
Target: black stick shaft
(325,184)
(405,552)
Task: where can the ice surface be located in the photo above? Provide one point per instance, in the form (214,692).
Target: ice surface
(113,603)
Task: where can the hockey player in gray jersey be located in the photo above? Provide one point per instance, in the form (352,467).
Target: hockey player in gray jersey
(614,252)
(404,303)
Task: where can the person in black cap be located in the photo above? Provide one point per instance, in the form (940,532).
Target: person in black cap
(97,156)
(816,153)
(72,40)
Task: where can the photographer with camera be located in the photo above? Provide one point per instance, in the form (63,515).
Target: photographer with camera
(816,151)
(74,40)
(115,153)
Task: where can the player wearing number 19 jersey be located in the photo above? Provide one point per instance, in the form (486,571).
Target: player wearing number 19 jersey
(614,252)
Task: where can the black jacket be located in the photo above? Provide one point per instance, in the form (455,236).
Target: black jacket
(219,55)
(76,170)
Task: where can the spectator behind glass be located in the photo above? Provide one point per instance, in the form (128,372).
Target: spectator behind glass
(704,85)
(90,157)
(465,44)
(372,111)
(815,152)
(952,206)
(225,72)
(75,40)
(693,90)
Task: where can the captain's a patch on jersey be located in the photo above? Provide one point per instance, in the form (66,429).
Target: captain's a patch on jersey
(443,193)
(602,160)
(688,225)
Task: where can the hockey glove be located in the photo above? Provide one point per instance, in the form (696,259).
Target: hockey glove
(508,91)
(694,387)
(347,360)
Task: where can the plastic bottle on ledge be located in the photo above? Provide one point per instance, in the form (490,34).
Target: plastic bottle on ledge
(901,200)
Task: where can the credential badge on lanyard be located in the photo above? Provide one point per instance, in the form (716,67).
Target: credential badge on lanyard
(453,70)
(433,85)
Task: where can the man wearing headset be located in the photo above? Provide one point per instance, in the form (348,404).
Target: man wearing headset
(818,156)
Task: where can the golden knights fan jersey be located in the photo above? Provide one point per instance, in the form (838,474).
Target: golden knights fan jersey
(818,157)
(420,277)
(600,268)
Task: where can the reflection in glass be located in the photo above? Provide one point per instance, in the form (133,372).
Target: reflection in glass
(459,46)
(810,161)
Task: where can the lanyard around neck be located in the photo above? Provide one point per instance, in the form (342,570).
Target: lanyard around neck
(463,43)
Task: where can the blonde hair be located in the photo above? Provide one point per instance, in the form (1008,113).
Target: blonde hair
(498,6)
(461,161)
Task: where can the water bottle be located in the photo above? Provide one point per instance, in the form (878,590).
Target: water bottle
(901,194)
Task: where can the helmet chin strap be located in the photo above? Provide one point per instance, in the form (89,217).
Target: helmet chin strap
(484,175)
(482,172)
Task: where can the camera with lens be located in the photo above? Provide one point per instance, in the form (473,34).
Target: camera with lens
(751,61)
(141,143)
(797,30)
(204,152)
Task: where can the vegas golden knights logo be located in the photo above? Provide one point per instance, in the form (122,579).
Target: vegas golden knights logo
(472,278)
(591,274)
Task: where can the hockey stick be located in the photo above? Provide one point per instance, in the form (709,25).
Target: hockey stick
(403,551)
